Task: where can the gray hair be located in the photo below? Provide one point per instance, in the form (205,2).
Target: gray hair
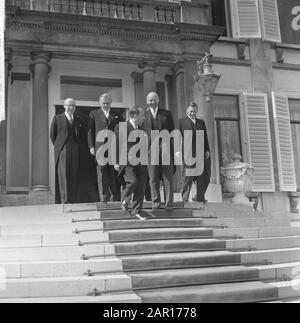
(105,96)
(152,93)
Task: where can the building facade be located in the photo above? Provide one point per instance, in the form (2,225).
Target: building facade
(56,49)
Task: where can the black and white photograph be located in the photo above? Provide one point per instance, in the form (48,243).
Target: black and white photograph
(149,154)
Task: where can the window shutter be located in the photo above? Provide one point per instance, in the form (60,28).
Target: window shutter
(259,141)
(269,17)
(245,19)
(284,144)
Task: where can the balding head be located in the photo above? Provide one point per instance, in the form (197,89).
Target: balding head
(153,100)
(70,106)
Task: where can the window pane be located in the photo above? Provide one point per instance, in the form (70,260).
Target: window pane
(90,89)
(296,145)
(295,119)
(219,13)
(229,140)
(294,110)
(226,106)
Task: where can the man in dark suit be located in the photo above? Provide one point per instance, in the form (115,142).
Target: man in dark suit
(192,123)
(99,120)
(159,119)
(135,175)
(65,134)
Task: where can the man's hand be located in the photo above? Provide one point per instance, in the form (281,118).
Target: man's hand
(207,155)
(92,151)
(117,168)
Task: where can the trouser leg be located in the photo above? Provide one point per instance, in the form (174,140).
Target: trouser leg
(154,185)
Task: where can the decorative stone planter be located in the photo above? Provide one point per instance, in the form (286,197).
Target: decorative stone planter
(238,179)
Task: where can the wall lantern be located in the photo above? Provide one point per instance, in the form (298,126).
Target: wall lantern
(206,79)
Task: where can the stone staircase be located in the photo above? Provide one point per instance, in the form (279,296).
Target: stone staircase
(69,254)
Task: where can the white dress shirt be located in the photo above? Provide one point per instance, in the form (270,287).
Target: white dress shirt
(70,117)
(154,112)
(106,113)
(193,119)
(135,126)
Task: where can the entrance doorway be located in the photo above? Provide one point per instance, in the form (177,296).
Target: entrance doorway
(88,188)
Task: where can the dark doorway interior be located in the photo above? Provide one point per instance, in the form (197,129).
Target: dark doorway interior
(88,189)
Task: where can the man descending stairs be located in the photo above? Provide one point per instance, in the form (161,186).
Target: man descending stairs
(226,253)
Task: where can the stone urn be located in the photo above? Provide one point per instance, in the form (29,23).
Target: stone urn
(238,179)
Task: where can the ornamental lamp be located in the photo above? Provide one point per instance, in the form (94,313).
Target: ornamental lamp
(206,79)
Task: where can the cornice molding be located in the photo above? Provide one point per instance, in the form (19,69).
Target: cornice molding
(114,27)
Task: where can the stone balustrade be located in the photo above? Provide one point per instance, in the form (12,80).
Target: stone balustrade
(138,10)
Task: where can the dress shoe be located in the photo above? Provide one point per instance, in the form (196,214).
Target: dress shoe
(125,207)
(139,217)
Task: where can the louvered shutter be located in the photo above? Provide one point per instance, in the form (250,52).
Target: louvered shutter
(269,18)
(284,144)
(245,19)
(259,141)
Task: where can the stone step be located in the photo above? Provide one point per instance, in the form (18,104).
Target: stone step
(43,229)
(245,233)
(208,259)
(213,275)
(63,218)
(276,256)
(190,245)
(158,234)
(288,289)
(52,240)
(193,233)
(30,210)
(165,246)
(202,222)
(160,214)
(264,243)
(146,205)
(62,268)
(54,253)
(216,293)
(97,226)
(161,223)
(114,298)
(65,286)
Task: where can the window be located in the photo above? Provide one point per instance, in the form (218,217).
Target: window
(89,89)
(228,127)
(295,125)
(219,14)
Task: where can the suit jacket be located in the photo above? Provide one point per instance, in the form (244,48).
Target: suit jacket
(59,132)
(165,121)
(164,118)
(98,122)
(129,144)
(187,124)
